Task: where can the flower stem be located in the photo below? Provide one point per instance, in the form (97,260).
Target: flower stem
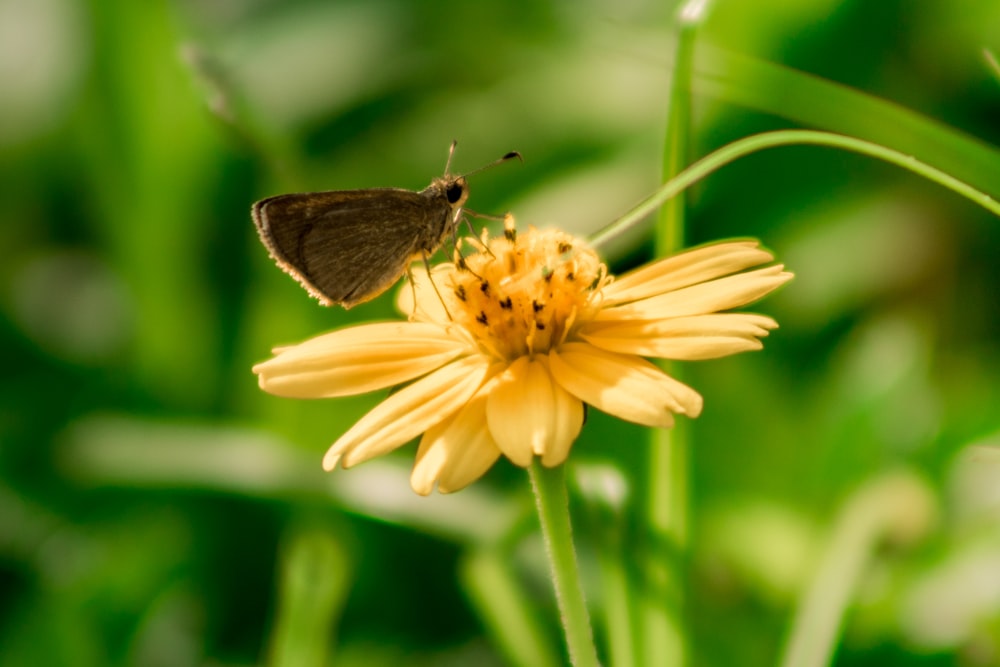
(662,628)
(552,502)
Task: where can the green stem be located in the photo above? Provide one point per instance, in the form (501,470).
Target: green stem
(663,629)
(898,505)
(752,144)
(552,502)
(315,578)
(506,609)
(617,601)
(665,566)
(604,491)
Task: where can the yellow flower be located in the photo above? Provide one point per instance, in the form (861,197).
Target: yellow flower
(510,343)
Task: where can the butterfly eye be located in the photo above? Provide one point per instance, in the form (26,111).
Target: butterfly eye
(455,191)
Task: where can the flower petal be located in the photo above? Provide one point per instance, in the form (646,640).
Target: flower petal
(686,268)
(708,297)
(622,385)
(409,412)
(456,452)
(358,359)
(530,415)
(684,338)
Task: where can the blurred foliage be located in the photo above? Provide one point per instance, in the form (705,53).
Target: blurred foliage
(157,509)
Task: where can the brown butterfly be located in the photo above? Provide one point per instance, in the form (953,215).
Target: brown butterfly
(348,246)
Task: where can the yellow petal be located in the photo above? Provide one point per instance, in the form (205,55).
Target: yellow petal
(686,268)
(358,359)
(409,412)
(685,338)
(531,415)
(622,385)
(457,451)
(709,297)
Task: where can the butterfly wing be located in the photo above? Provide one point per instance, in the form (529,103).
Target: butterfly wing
(347,246)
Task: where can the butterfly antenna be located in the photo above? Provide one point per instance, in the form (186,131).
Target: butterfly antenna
(509,156)
(451,153)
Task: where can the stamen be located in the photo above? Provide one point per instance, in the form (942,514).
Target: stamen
(509,230)
(529,293)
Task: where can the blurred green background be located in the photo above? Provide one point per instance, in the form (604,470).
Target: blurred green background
(157,509)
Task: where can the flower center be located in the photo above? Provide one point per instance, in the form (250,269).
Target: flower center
(519,295)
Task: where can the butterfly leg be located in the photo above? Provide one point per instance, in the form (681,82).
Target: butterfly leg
(427,265)
(484,216)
